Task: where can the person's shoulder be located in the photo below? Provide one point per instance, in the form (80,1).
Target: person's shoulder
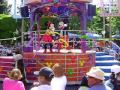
(108,88)
(34,88)
(100,87)
(108,82)
(7,79)
(64,77)
(20,82)
(44,87)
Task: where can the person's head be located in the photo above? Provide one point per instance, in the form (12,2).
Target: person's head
(95,76)
(15,74)
(115,70)
(58,70)
(45,75)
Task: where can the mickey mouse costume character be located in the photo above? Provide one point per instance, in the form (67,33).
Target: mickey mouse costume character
(62,27)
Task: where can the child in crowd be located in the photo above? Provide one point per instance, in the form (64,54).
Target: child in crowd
(59,80)
(19,63)
(47,40)
(44,77)
(12,82)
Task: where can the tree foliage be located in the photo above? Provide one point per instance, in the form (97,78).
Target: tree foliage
(96,24)
(8,26)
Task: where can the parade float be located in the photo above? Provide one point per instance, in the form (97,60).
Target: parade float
(76,61)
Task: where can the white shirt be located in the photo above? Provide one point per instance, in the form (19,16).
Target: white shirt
(58,83)
(42,87)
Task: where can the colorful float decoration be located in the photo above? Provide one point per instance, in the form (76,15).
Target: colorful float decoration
(76,62)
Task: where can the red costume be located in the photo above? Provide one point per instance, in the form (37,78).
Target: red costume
(47,38)
(47,41)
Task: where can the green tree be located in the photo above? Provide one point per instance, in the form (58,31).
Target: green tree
(96,24)
(8,26)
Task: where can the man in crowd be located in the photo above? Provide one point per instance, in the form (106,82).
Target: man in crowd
(96,79)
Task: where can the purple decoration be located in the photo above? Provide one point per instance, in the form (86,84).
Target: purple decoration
(64,1)
(28,49)
(63,11)
(90,57)
(32,20)
(54,9)
(83,45)
(47,1)
(44,1)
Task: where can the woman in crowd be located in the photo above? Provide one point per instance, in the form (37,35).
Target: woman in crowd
(12,82)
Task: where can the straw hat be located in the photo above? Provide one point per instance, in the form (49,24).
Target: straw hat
(96,73)
(115,69)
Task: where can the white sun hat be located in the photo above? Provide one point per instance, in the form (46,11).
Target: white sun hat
(115,69)
(96,72)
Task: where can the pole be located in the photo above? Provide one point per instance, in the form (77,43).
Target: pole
(110,27)
(22,29)
(22,33)
(104,27)
(14,7)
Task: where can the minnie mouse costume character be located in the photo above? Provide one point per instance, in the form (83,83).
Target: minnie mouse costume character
(47,40)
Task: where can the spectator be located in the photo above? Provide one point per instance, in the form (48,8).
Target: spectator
(44,77)
(59,80)
(12,82)
(96,78)
(84,84)
(114,81)
(20,64)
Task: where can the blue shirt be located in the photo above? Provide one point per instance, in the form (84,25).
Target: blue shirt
(100,87)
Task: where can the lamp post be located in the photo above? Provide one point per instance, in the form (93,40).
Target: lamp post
(22,29)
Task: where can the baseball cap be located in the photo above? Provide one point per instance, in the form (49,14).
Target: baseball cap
(45,71)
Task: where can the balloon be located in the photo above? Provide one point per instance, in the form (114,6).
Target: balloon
(54,9)
(70,72)
(81,63)
(49,64)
